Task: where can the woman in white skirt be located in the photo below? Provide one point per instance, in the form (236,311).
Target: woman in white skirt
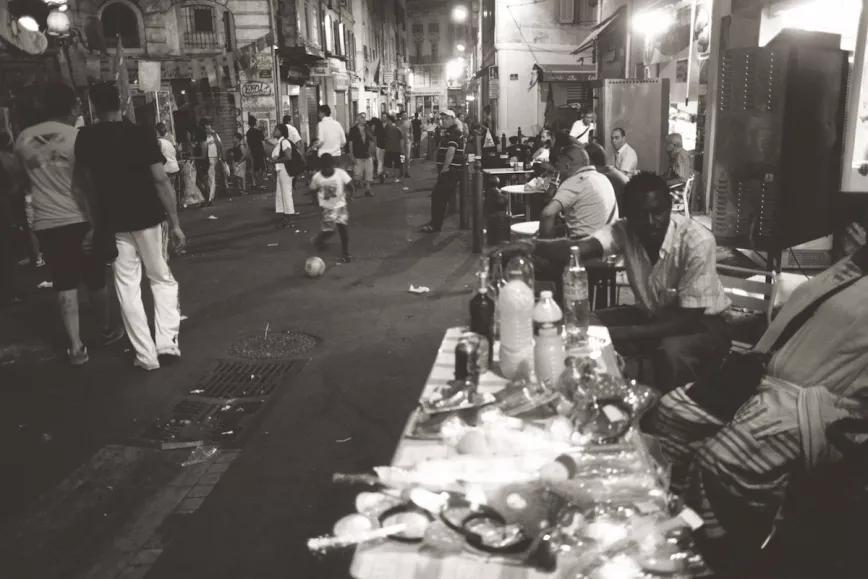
(283,204)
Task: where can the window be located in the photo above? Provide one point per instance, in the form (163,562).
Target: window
(227,31)
(199,28)
(435,51)
(418,28)
(119,19)
(433,28)
(577,11)
(418,53)
(312,14)
(329,33)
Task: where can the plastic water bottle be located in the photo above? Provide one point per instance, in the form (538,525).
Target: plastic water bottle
(515,311)
(547,313)
(576,306)
(520,268)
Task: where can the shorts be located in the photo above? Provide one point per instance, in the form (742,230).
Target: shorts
(393,160)
(332,216)
(67,260)
(363,169)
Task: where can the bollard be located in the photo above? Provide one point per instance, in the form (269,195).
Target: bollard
(477,222)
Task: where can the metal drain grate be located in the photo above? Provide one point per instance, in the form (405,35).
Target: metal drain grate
(234,380)
(223,405)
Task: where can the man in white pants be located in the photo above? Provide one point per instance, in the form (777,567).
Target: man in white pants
(133,195)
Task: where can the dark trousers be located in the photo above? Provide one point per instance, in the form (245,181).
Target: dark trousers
(443,191)
(675,360)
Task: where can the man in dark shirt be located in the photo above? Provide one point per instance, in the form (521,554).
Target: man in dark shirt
(394,147)
(417,135)
(450,162)
(133,195)
(360,145)
(255,146)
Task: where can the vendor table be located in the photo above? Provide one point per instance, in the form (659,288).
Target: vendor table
(390,560)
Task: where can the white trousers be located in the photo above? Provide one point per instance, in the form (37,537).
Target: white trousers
(135,249)
(283,194)
(212,178)
(381,159)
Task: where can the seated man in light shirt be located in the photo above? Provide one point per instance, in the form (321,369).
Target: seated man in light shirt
(671,265)
(626,159)
(585,197)
(584,129)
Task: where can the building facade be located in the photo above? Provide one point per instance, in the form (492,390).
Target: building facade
(434,41)
(527,63)
(381,56)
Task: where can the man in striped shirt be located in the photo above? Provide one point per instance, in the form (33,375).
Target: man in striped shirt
(450,161)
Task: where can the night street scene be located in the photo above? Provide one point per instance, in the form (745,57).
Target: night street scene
(433,289)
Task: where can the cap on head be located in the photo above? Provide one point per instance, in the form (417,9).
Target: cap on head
(448,113)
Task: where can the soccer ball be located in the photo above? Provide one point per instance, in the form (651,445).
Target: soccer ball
(314,267)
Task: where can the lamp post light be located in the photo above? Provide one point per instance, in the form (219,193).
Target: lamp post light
(459,14)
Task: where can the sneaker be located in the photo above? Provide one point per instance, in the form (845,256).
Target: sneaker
(110,337)
(77,359)
(148,367)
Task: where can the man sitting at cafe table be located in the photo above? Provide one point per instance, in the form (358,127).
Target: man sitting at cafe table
(670,263)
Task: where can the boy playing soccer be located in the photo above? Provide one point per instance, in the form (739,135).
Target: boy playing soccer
(329,183)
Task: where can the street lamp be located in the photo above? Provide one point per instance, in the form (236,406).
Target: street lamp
(459,14)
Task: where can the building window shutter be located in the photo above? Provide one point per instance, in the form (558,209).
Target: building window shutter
(566,11)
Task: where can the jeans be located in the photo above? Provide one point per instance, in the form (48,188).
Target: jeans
(135,249)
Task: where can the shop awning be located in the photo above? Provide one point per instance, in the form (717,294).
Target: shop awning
(589,41)
(564,72)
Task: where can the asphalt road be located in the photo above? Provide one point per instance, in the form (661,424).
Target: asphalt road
(63,430)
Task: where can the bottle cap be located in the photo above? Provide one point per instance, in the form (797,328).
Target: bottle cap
(545,294)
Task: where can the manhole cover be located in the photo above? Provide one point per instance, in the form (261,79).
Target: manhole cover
(274,345)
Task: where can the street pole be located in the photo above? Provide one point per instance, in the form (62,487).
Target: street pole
(275,63)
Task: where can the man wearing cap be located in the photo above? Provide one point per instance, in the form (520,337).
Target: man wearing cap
(450,160)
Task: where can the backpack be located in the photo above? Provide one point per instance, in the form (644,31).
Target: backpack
(294,164)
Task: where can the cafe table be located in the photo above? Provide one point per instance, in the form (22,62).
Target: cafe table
(390,559)
(520,190)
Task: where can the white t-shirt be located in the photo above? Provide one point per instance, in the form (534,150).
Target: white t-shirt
(330,190)
(331,136)
(294,135)
(168,151)
(211,144)
(581,131)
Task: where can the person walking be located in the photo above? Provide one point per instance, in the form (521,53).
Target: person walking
(212,149)
(407,149)
(330,136)
(283,203)
(417,136)
(394,147)
(62,217)
(380,138)
(170,153)
(360,146)
(238,156)
(133,195)
(256,150)
(450,160)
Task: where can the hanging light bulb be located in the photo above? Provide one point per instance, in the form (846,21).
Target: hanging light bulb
(57,23)
(28,23)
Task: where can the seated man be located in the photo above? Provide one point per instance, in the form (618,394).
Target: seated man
(617,178)
(734,447)
(585,198)
(670,262)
